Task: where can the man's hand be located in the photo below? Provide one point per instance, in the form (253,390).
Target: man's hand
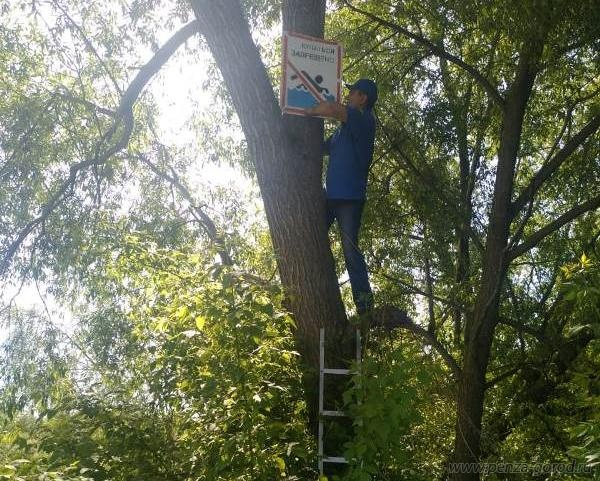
(330,110)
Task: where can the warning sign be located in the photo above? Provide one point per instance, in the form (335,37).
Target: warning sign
(311,72)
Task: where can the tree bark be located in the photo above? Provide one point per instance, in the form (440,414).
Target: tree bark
(287,155)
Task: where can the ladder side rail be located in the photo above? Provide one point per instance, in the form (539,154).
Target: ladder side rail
(321,396)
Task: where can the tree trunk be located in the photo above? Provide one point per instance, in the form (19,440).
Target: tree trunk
(287,154)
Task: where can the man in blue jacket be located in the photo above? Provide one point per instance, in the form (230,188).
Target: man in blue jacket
(350,151)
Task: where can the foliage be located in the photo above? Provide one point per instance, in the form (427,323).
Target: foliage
(553,401)
(582,289)
(90,437)
(34,362)
(221,355)
(385,402)
(216,379)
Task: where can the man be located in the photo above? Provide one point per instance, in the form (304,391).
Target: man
(350,151)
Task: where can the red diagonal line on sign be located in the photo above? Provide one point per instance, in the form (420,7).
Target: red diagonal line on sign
(306,82)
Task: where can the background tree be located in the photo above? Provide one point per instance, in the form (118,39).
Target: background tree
(469,105)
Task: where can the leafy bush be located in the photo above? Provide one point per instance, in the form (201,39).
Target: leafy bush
(221,355)
(385,401)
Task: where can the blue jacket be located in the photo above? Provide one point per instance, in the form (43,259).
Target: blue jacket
(350,151)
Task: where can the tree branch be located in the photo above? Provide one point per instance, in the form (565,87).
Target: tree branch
(550,167)
(205,221)
(123,120)
(430,304)
(429,181)
(416,290)
(521,228)
(436,50)
(477,149)
(565,129)
(89,45)
(368,52)
(391,317)
(502,377)
(155,64)
(67,95)
(535,238)
(538,334)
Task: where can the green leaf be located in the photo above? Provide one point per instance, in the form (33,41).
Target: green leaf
(182,312)
(280,465)
(200,322)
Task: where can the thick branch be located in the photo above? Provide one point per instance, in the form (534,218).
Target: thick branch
(436,50)
(535,238)
(392,317)
(155,64)
(124,119)
(553,164)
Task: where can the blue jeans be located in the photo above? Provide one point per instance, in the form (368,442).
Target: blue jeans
(348,214)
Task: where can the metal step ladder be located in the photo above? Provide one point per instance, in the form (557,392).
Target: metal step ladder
(330,413)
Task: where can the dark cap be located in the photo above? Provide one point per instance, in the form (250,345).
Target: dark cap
(366,86)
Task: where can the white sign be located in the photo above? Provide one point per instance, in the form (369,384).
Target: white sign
(311,72)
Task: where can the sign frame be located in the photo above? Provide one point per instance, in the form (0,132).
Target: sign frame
(287,65)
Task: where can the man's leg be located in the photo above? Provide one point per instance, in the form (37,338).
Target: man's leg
(348,214)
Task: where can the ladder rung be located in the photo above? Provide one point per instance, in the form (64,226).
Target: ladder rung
(333,413)
(342,372)
(335,459)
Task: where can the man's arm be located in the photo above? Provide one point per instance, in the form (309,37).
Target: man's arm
(330,110)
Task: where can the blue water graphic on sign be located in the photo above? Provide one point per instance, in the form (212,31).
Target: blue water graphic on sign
(302,98)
